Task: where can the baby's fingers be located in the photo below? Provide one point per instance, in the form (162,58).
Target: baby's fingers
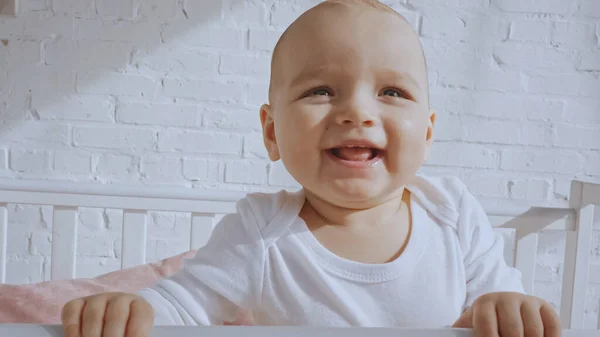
(510,322)
(485,323)
(71,317)
(552,326)
(92,319)
(141,319)
(116,316)
(465,321)
(533,325)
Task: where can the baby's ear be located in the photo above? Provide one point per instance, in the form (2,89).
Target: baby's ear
(429,136)
(431,125)
(268,126)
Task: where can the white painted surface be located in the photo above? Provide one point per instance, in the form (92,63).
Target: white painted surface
(145,93)
(582,245)
(526,258)
(577,259)
(56,331)
(202,227)
(64,243)
(135,228)
(3,241)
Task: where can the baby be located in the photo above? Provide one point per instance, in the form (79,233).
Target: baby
(366,242)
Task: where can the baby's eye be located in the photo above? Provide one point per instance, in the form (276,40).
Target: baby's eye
(321,92)
(392,92)
(397,92)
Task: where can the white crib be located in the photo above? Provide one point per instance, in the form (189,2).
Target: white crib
(206,207)
(233,331)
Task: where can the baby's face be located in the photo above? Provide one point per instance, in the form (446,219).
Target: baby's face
(349,115)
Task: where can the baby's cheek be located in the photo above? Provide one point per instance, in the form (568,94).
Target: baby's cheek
(411,134)
(409,139)
(406,127)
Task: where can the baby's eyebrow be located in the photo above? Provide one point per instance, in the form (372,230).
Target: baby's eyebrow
(309,73)
(395,76)
(389,75)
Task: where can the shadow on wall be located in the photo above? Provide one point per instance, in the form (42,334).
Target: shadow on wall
(73,64)
(72,61)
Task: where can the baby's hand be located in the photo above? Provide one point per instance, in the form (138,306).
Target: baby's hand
(510,315)
(108,314)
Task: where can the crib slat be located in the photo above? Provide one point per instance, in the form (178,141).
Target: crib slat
(202,227)
(3,241)
(591,193)
(566,302)
(525,260)
(134,239)
(64,243)
(598,321)
(575,273)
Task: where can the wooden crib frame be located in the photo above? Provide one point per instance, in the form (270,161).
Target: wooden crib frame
(206,207)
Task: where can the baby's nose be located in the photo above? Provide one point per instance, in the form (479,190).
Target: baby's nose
(356,117)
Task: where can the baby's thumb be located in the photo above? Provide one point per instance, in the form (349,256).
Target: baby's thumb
(465,321)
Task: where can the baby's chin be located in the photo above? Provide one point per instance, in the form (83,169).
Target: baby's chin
(358,193)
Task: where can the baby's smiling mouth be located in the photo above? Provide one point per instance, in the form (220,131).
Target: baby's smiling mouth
(355,153)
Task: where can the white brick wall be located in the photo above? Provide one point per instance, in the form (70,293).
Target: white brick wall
(167,92)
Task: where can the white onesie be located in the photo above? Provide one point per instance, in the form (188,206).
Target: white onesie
(264,259)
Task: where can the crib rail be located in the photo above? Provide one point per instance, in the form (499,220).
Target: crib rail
(66,199)
(23,330)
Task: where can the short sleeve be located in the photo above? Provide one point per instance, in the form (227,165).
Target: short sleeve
(223,277)
(485,267)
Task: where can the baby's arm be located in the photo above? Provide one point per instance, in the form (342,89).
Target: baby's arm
(485,267)
(495,303)
(222,277)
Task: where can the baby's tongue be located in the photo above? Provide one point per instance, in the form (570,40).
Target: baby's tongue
(354,153)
